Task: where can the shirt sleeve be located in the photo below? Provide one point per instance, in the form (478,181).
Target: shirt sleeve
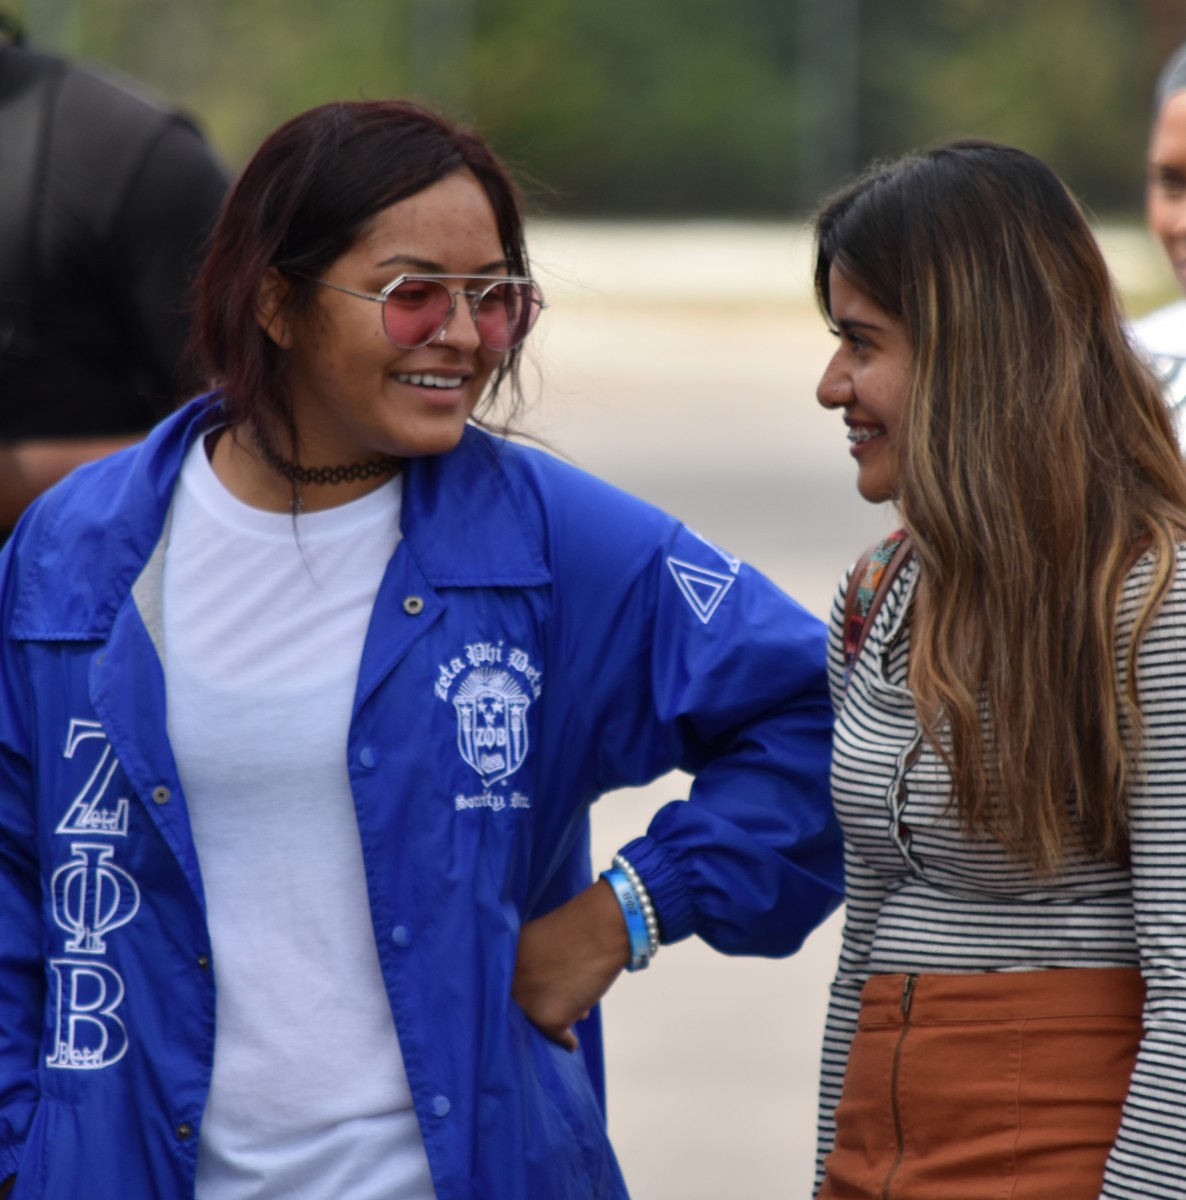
(864,893)
(170,208)
(1148,1159)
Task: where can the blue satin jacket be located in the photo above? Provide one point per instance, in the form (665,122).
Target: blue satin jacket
(539,638)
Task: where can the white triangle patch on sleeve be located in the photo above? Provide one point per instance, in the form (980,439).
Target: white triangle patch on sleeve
(702,589)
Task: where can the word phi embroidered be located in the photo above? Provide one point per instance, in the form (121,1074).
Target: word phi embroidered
(702,588)
(92,897)
(491,687)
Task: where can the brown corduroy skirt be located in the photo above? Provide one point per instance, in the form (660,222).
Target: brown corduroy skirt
(989,1086)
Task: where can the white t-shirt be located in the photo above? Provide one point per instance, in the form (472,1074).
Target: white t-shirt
(264,625)
(1162,336)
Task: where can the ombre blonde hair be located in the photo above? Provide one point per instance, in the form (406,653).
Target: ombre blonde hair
(1036,463)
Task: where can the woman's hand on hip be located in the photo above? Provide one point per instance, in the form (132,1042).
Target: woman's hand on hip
(568,960)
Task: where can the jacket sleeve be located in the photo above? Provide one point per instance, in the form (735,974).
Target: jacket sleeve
(22,973)
(683,657)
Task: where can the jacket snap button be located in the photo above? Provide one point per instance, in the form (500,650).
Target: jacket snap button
(204,961)
(413,605)
(161,794)
(440,1106)
(185,1130)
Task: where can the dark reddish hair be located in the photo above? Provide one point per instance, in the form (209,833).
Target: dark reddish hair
(302,201)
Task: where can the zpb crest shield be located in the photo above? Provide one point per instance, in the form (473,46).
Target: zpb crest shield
(491,710)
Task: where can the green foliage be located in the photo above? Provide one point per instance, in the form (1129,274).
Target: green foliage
(727,107)
(627,107)
(1068,82)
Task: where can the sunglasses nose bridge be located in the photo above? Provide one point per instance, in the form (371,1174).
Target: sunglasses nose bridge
(470,308)
(450,310)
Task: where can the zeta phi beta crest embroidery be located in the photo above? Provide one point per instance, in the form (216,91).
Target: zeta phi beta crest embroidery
(490,687)
(491,723)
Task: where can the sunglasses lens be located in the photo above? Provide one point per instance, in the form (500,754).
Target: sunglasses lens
(416,311)
(505,312)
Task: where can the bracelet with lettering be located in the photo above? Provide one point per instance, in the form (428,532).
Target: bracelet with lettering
(648,909)
(636,922)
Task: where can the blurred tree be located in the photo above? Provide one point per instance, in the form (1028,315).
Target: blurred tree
(828,94)
(740,107)
(668,106)
(241,66)
(54,23)
(1065,79)
(1166,22)
(439,54)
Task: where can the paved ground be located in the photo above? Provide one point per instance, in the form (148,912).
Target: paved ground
(680,363)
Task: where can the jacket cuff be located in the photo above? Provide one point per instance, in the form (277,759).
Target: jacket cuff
(671,898)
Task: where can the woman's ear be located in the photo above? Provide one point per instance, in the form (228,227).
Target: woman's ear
(270,310)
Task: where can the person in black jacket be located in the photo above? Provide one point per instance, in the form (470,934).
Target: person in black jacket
(106,198)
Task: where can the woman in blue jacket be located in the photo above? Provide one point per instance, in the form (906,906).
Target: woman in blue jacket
(303,704)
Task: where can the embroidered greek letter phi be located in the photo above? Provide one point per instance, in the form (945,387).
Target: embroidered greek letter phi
(92,896)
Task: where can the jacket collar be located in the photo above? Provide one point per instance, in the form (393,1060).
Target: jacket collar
(78,552)
(464,523)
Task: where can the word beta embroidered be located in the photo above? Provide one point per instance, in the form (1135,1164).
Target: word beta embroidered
(491,686)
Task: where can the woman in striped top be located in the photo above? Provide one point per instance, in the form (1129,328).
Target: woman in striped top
(1009,1014)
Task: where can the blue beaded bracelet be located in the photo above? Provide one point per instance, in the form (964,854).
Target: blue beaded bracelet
(644,898)
(636,924)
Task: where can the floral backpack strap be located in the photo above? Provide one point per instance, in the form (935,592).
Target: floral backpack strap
(867,588)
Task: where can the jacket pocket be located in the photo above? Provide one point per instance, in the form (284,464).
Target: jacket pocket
(569,1126)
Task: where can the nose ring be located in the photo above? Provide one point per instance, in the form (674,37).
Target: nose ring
(441,335)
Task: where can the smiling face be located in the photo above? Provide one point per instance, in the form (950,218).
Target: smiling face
(868,378)
(355,396)
(1166,196)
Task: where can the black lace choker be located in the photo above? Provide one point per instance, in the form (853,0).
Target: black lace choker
(375,468)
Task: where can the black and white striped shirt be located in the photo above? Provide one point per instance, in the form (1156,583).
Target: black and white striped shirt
(921,896)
